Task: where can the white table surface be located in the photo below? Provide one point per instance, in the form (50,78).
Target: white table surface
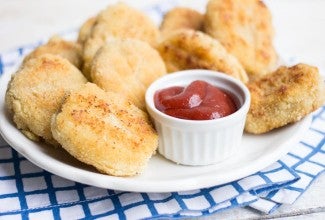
(300,32)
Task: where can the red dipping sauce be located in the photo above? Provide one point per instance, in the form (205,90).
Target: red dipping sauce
(198,101)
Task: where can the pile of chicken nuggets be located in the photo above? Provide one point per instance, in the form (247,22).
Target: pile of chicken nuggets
(88,96)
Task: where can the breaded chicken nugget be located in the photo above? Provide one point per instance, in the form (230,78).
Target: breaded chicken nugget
(91,46)
(188,49)
(85,30)
(36,91)
(119,20)
(58,46)
(105,130)
(128,67)
(180,18)
(245,29)
(284,96)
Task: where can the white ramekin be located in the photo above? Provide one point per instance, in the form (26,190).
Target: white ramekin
(199,142)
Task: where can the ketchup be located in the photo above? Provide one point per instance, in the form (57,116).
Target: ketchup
(198,101)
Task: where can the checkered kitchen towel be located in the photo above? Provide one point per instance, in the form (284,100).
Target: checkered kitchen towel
(27,191)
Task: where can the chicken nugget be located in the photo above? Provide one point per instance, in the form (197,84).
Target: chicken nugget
(85,30)
(121,20)
(128,67)
(188,49)
(284,96)
(105,130)
(91,46)
(118,20)
(58,46)
(36,91)
(245,29)
(181,18)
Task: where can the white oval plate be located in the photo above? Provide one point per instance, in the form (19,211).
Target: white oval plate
(255,153)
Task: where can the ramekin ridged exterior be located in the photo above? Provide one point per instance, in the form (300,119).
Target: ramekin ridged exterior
(199,142)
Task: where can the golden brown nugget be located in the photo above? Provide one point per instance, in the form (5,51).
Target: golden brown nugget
(121,20)
(36,91)
(85,30)
(128,67)
(188,49)
(118,20)
(284,96)
(58,46)
(180,18)
(91,46)
(245,29)
(105,130)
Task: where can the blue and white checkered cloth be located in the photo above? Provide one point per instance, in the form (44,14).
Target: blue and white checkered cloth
(28,192)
